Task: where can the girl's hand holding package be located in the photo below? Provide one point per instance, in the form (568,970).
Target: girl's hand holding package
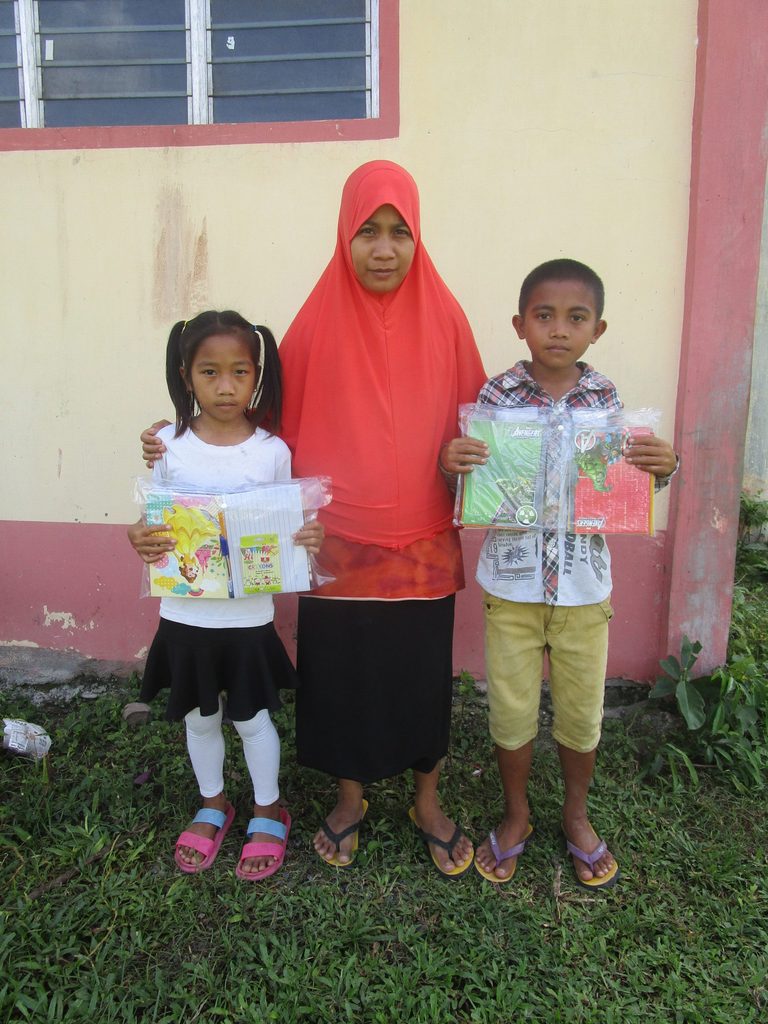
(151,542)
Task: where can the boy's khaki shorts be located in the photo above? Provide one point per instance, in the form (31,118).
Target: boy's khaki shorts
(516,636)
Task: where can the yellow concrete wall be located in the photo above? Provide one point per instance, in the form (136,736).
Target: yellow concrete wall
(534,129)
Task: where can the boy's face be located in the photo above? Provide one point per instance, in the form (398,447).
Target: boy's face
(559,324)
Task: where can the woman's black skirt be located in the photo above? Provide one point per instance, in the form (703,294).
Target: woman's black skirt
(197,664)
(376,679)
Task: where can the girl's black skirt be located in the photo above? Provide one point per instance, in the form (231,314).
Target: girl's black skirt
(376,681)
(197,664)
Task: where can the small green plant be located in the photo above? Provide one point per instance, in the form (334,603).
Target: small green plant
(677,680)
(726,715)
(753,520)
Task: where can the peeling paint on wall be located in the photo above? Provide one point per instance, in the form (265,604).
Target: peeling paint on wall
(180,270)
(64,619)
(719,521)
(18,643)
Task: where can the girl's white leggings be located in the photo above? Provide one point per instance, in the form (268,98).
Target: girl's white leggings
(261,746)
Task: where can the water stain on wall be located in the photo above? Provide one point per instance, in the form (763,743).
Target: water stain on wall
(180,271)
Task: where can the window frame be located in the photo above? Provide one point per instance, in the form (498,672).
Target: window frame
(385,125)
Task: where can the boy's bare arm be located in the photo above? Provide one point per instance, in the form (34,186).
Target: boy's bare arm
(651,454)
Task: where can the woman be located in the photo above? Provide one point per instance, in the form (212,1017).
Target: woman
(375,365)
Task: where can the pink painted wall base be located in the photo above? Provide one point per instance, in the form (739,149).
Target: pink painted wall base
(76,587)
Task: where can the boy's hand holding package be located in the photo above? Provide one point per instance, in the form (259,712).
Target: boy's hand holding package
(462,454)
(651,454)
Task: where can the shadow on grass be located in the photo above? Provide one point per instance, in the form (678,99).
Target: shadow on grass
(98,926)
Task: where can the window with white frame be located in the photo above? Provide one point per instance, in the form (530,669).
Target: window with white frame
(170,62)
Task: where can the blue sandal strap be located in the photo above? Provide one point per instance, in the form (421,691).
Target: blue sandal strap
(210,816)
(272,828)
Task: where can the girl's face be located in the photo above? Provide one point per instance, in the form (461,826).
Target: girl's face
(382,250)
(222,377)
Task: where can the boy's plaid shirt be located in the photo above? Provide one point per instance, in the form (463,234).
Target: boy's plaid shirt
(515,388)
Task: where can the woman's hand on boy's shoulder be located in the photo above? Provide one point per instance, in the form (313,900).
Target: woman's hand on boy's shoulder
(651,454)
(152,448)
(150,543)
(462,454)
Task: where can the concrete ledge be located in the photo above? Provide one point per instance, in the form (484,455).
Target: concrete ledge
(42,676)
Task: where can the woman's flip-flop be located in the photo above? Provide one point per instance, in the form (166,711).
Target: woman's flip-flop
(449,846)
(596,882)
(278,829)
(502,855)
(338,837)
(208,847)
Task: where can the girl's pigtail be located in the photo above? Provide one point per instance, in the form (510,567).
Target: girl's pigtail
(182,398)
(267,402)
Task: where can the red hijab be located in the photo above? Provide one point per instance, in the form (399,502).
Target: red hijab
(372,382)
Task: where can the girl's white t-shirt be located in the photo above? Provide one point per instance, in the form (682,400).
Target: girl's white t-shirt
(194,465)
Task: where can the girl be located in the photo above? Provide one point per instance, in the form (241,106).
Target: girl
(229,371)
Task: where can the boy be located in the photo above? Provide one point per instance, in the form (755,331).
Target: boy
(562,605)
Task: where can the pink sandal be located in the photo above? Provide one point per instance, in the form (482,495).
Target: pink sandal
(278,829)
(208,847)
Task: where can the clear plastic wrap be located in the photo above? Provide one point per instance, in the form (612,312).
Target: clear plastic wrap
(509,489)
(233,544)
(605,493)
(556,469)
(25,738)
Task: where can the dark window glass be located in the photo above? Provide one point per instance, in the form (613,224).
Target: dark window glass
(8,51)
(115,62)
(241,11)
(9,84)
(106,15)
(134,81)
(297,60)
(112,47)
(290,76)
(299,107)
(295,41)
(10,114)
(63,113)
(10,108)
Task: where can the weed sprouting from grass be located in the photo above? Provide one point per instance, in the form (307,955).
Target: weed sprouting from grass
(726,714)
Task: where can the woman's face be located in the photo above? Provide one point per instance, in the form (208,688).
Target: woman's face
(382,250)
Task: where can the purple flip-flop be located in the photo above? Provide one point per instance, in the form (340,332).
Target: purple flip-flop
(502,855)
(601,882)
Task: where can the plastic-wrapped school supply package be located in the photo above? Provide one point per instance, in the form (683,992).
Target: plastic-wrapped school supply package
(25,738)
(509,489)
(556,469)
(235,544)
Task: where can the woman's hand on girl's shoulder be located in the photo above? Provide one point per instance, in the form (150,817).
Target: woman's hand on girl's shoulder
(150,543)
(152,448)
(310,536)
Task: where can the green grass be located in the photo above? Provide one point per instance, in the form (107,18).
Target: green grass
(98,925)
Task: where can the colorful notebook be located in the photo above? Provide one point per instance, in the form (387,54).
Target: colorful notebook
(229,545)
(507,490)
(607,494)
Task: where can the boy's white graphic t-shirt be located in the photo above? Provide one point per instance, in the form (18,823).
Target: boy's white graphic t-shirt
(192,464)
(510,567)
(512,563)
